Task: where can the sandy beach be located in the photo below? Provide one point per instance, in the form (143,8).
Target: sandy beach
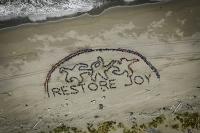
(166,34)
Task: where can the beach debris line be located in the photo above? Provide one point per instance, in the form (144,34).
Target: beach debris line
(185,122)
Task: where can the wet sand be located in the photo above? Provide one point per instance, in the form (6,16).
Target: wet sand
(167,34)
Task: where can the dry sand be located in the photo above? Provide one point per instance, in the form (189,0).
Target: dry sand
(167,34)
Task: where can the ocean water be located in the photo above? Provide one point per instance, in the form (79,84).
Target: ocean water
(15,12)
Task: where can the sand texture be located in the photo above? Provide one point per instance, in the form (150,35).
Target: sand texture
(166,35)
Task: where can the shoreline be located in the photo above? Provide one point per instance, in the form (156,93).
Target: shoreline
(21,21)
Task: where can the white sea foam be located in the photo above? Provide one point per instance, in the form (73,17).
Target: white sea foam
(39,10)
(45,9)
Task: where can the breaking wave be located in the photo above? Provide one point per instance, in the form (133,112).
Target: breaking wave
(41,10)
